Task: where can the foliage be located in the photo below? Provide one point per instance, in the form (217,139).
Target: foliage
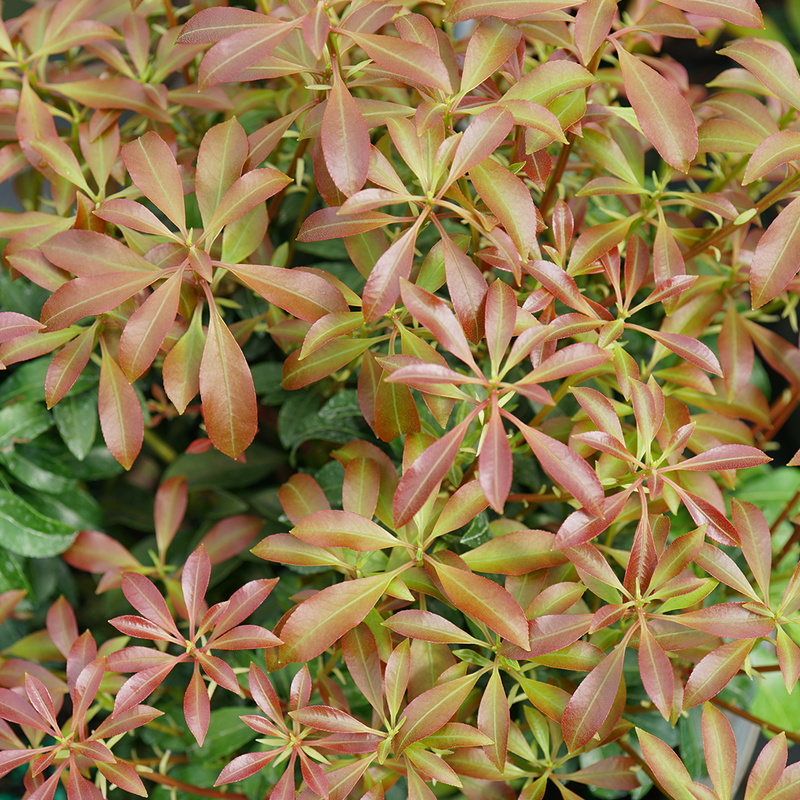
(479,299)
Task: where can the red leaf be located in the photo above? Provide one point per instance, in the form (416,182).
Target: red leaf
(663,113)
(655,668)
(494,720)
(345,138)
(592,701)
(467,288)
(485,600)
(196,706)
(428,712)
(322,362)
(767,770)
(406,59)
(773,264)
(495,461)
(434,314)
(483,136)
(62,626)
(226,387)
(121,417)
(564,466)
(123,776)
(343,529)
(592,25)
(383,285)
(302,294)
(686,347)
(142,685)
(427,471)
(505,9)
(364,665)
(319,621)
(744,13)
(252,188)
(214,24)
(170,506)
(147,328)
(719,746)
(327,223)
(361,487)
(667,767)
(240,50)
(300,496)
(244,766)
(731,620)
(735,352)
(153,169)
(13,325)
(67,365)
(142,594)
(725,456)
(194,582)
(714,671)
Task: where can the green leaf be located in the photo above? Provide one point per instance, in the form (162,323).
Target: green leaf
(75,508)
(76,419)
(226,733)
(13,574)
(214,470)
(23,422)
(26,532)
(26,466)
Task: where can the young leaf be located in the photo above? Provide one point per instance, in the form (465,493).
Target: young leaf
(226,387)
(715,671)
(483,136)
(486,601)
(345,138)
(667,767)
(719,746)
(592,25)
(662,112)
(153,169)
(495,461)
(494,720)
(319,621)
(343,529)
(773,266)
(121,418)
(487,50)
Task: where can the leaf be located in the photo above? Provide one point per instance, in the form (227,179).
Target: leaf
(467,288)
(485,600)
(91,254)
(67,365)
(735,352)
(148,326)
(667,767)
(428,712)
(767,770)
(771,63)
(106,93)
(494,720)
(688,348)
(719,746)
(240,50)
(725,456)
(170,507)
(343,529)
(592,701)
(153,169)
(773,265)
(564,466)
(515,553)
(592,25)
(395,411)
(220,160)
(483,136)
(252,189)
(505,9)
(487,50)
(121,417)
(181,368)
(434,314)
(714,671)
(656,670)
(495,461)
(776,150)
(230,410)
(303,294)
(360,654)
(427,471)
(407,59)
(662,112)
(214,24)
(509,200)
(345,138)
(429,627)
(595,242)
(83,297)
(383,285)
(327,223)
(319,621)
(61,158)
(196,706)
(744,13)
(731,620)
(461,508)
(322,362)
(130,214)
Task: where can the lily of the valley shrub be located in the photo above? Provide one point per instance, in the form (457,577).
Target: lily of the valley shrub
(516,276)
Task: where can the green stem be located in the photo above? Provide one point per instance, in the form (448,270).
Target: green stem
(159,446)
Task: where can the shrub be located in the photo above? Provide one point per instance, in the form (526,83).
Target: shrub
(479,299)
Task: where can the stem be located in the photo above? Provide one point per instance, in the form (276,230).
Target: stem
(159,446)
(787,509)
(778,193)
(556,175)
(275,203)
(792,541)
(189,788)
(170,13)
(762,723)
